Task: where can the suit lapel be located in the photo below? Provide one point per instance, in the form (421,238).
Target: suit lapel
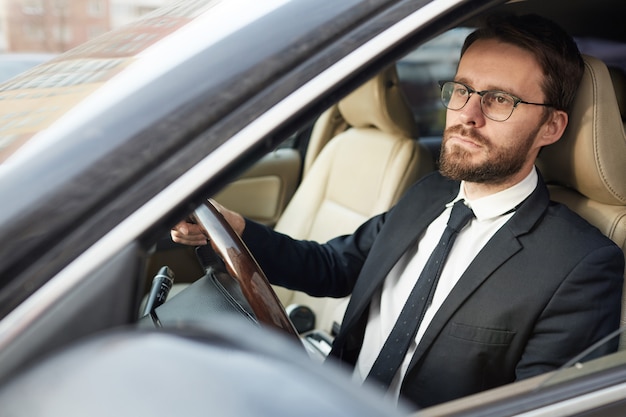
(405,224)
(502,246)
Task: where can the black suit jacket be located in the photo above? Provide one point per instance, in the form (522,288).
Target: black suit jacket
(544,288)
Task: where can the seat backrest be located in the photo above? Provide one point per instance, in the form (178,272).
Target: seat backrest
(361,172)
(586,168)
(328,125)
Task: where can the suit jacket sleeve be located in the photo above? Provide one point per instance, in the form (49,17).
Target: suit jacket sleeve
(328,270)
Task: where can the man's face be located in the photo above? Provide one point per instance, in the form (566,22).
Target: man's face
(478,149)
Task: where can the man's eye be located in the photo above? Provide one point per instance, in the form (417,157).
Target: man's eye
(500,99)
(460,91)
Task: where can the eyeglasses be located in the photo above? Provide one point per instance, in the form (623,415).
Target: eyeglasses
(496,105)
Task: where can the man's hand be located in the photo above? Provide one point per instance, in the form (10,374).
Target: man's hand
(188,233)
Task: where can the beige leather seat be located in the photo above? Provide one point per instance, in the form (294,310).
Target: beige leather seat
(587,166)
(328,125)
(361,172)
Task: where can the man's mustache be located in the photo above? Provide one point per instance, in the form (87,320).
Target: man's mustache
(464,132)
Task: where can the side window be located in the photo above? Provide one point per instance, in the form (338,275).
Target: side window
(419,72)
(612,53)
(422,69)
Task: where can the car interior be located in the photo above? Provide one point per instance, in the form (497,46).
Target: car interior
(366,150)
(343,188)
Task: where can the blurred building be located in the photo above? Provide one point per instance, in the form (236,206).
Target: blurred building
(58,25)
(125,11)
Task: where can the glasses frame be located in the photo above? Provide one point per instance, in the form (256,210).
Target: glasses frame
(470,90)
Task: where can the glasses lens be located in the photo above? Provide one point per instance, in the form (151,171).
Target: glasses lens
(497,105)
(454,95)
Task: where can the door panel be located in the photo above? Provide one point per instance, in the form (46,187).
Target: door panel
(262,192)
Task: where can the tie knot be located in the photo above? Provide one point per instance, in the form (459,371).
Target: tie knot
(460,215)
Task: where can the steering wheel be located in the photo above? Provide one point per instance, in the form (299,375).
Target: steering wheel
(242,266)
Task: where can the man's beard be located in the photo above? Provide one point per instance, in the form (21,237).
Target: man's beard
(499,165)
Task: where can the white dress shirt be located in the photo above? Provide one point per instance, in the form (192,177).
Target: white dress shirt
(491,213)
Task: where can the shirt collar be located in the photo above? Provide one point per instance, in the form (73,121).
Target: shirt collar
(502,202)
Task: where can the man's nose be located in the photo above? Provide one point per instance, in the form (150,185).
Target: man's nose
(471,113)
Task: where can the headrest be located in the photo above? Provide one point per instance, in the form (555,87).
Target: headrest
(380,103)
(591,154)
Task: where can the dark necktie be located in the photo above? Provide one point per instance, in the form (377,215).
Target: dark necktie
(397,344)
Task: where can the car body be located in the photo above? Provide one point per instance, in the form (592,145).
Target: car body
(105,148)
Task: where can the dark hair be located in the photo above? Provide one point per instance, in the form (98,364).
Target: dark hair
(554,49)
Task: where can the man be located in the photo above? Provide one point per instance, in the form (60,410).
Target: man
(528,284)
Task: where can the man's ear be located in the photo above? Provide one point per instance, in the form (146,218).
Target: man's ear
(554,127)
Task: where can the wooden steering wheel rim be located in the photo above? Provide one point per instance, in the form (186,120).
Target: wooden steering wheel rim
(242,266)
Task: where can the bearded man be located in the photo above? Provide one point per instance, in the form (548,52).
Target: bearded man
(527,283)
